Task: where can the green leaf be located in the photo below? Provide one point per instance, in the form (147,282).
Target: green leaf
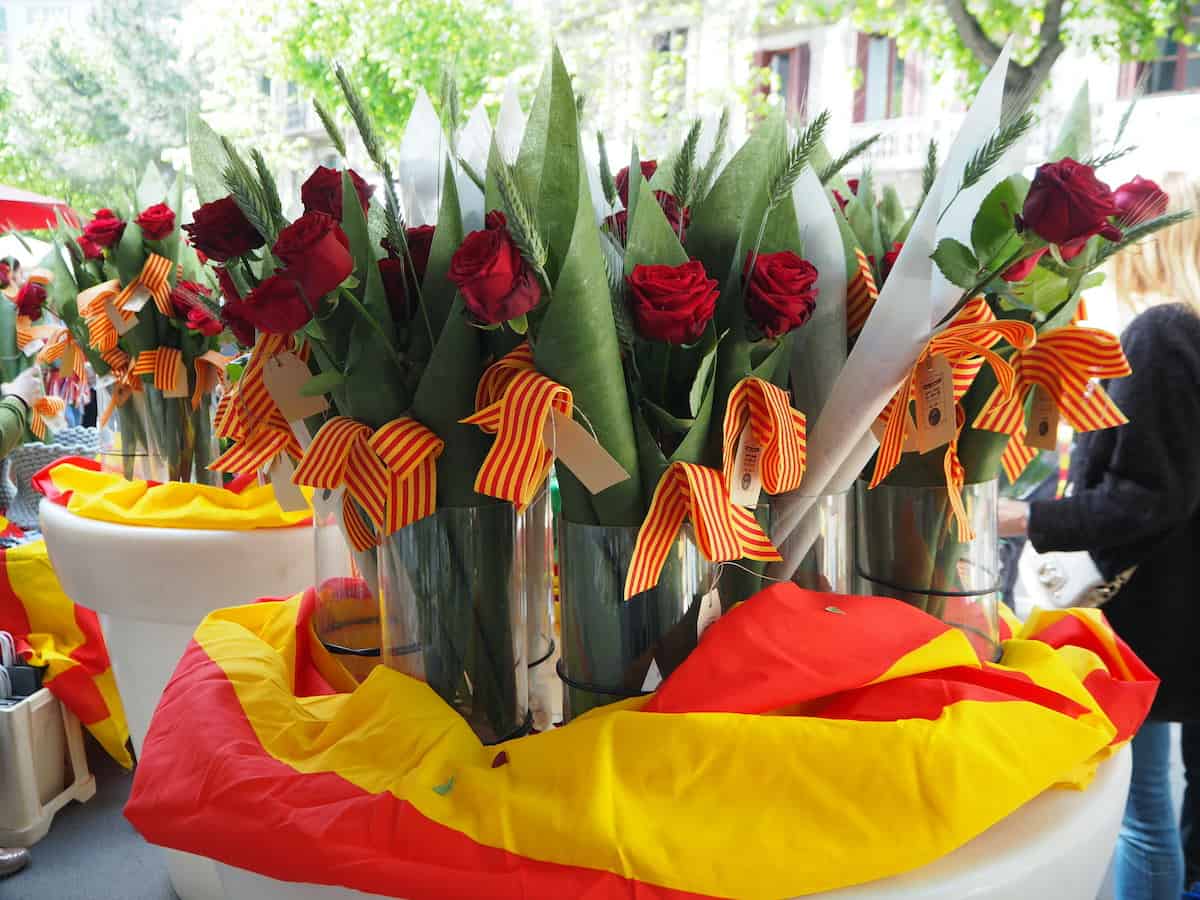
(130,255)
(208,160)
(665,419)
(956,262)
(891,215)
(652,240)
(705,371)
(1043,290)
(994,233)
(437,289)
(861,214)
(1075,138)
(322,384)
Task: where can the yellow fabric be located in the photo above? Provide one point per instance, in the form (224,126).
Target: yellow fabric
(108,497)
(866,799)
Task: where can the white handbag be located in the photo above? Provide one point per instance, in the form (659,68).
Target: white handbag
(1060,580)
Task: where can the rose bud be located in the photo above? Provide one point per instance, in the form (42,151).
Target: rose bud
(156,222)
(1139,200)
(221,231)
(889,260)
(648,166)
(852,183)
(1022,269)
(317,254)
(495,281)
(841,201)
(322,192)
(276,306)
(672,303)
(1066,202)
(781,291)
(30,299)
(400,289)
(105,229)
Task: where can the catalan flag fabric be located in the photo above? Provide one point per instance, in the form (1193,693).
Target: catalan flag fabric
(802,747)
(52,631)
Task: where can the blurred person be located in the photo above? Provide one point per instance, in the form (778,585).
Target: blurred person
(1135,502)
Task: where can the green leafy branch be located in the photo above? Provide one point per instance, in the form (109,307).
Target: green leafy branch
(846,158)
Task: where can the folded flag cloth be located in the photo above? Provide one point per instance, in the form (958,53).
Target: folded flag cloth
(80,486)
(810,742)
(52,631)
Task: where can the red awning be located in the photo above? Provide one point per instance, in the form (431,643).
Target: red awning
(22,210)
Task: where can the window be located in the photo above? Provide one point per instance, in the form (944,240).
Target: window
(880,91)
(1176,68)
(295,110)
(264,85)
(789,69)
(673,40)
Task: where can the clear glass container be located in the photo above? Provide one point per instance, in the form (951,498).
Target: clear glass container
(157,438)
(826,537)
(536,534)
(608,643)
(453,597)
(908,548)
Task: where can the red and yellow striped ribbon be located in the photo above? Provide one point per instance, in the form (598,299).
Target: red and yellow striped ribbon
(512,401)
(391,473)
(43,409)
(210,372)
(861,295)
(155,278)
(27,332)
(164,364)
(102,334)
(724,531)
(777,428)
(56,348)
(1065,363)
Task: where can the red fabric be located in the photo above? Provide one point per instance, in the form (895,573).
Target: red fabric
(309,681)
(75,688)
(24,211)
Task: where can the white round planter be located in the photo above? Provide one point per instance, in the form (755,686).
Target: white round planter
(151,587)
(1057,845)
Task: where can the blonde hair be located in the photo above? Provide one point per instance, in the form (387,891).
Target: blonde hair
(1165,267)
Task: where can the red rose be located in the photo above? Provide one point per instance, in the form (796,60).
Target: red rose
(233,315)
(156,222)
(221,231)
(229,289)
(648,166)
(889,260)
(841,201)
(495,281)
(202,320)
(323,191)
(1066,202)
(1019,271)
(391,271)
(1139,200)
(420,241)
(670,207)
(185,295)
(618,225)
(30,299)
(853,185)
(672,303)
(277,305)
(316,253)
(105,229)
(781,292)
(91,250)
(401,290)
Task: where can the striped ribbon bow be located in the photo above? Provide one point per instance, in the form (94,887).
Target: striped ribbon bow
(43,409)
(513,401)
(777,428)
(724,531)
(57,347)
(93,306)
(164,364)
(155,280)
(391,473)
(210,371)
(1063,363)
(27,332)
(125,381)
(861,295)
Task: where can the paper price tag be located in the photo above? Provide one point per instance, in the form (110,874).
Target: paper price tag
(137,299)
(283,377)
(581,453)
(289,497)
(653,677)
(1041,431)
(122,325)
(747,469)
(710,611)
(33,346)
(935,404)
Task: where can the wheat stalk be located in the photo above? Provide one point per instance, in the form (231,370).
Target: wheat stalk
(685,165)
(708,174)
(846,158)
(331,127)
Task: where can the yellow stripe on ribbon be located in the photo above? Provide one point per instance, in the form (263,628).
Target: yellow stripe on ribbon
(391,473)
(43,409)
(164,364)
(155,279)
(513,401)
(102,334)
(210,372)
(777,428)
(724,531)
(861,295)
(56,348)
(1065,363)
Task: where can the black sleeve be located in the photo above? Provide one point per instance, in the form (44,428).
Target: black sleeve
(1152,481)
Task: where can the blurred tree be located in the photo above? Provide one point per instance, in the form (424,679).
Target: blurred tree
(967,35)
(390,49)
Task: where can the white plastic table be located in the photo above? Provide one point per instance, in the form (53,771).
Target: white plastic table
(1056,846)
(151,587)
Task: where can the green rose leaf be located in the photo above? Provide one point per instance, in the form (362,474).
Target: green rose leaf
(994,232)
(956,262)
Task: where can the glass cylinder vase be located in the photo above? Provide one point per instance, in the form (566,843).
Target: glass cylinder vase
(536,535)
(453,608)
(825,537)
(908,548)
(609,643)
(152,437)
(125,445)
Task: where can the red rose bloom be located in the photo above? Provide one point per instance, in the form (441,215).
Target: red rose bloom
(1019,271)
(317,254)
(90,249)
(105,229)
(276,306)
(495,281)
(648,167)
(221,231)
(156,222)
(233,315)
(1066,202)
(420,241)
(1139,200)
(781,291)
(672,303)
(323,191)
(401,289)
(30,299)
(185,295)
(889,260)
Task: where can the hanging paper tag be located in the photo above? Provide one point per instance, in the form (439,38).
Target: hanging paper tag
(284,376)
(747,469)
(653,677)
(710,611)
(1042,430)
(180,386)
(581,453)
(287,495)
(935,404)
(33,346)
(303,435)
(138,298)
(119,322)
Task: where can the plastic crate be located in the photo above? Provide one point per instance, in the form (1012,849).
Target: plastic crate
(43,767)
